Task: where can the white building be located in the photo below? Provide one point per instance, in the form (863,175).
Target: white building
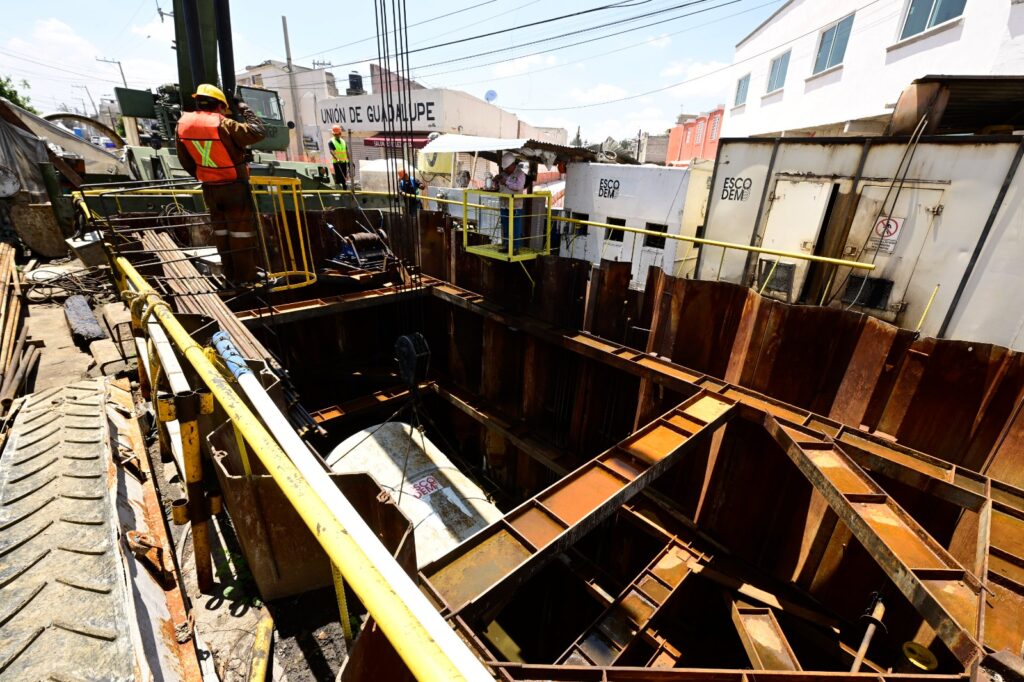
(655,198)
(838,67)
(312,86)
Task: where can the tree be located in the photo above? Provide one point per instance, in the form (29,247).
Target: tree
(577,141)
(8,91)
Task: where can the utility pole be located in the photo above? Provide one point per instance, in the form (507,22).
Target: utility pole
(96,111)
(293,95)
(131,130)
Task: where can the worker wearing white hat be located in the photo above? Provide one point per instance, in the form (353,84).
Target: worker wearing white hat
(511,180)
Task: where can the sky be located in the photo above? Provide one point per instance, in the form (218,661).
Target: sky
(537,72)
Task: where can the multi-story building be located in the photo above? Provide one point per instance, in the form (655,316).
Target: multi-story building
(838,68)
(695,137)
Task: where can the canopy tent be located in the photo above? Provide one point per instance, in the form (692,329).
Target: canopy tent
(547,153)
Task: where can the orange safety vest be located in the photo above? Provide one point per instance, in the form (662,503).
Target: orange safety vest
(200,132)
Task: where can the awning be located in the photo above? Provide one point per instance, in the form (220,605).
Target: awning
(548,152)
(396,141)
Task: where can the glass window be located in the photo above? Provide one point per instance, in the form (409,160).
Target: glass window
(777,72)
(689,133)
(615,235)
(264,103)
(701,125)
(923,14)
(652,241)
(716,123)
(741,90)
(832,47)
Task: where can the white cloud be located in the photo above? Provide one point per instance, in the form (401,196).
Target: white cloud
(522,65)
(660,42)
(598,93)
(160,31)
(705,79)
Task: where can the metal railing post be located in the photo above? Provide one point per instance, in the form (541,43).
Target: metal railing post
(187,408)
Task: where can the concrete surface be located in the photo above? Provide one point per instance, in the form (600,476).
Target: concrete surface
(61,362)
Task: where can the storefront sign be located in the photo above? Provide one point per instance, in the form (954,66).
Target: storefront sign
(369,113)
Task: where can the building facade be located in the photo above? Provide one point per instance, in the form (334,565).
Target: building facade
(695,137)
(838,68)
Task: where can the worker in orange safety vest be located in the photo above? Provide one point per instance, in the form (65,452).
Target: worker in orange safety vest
(211,147)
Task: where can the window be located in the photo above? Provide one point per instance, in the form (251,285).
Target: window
(652,241)
(923,14)
(716,124)
(833,45)
(689,131)
(579,230)
(741,90)
(701,125)
(257,80)
(614,235)
(777,72)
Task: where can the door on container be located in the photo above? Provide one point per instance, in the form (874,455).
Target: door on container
(796,213)
(909,249)
(611,246)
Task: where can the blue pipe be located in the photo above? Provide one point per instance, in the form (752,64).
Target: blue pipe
(230,355)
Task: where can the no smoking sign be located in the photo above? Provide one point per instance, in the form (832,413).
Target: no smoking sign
(886,234)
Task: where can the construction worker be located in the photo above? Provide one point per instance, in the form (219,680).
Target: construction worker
(511,180)
(211,147)
(409,189)
(339,155)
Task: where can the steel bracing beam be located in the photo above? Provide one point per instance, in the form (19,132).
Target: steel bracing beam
(477,576)
(943,592)
(942,479)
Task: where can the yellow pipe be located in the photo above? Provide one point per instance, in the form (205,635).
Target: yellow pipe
(931,299)
(726,245)
(421,637)
(769,277)
(261,649)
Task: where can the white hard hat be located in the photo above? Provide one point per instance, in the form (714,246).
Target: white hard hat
(507,159)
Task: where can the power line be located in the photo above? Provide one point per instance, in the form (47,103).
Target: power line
(562,47)
(519,8)
(687,80)
(490,34)
(15,55)
(593,56)
(419,23)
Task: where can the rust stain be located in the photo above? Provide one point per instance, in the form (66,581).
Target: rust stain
(898,536)
(656,444)
(582,495)
(472,573)
(837,471)
(536,526)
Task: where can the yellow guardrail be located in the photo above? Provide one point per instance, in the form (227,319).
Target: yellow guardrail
(296,255)
(514,242)
(421,637)
(723,245)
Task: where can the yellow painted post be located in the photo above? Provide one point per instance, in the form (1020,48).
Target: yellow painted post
(511,222)
(187,408)
(261,649)
(547,203)
(465,219)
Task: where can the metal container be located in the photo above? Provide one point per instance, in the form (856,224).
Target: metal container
(443,504)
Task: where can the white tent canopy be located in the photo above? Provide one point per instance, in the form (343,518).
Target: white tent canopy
(472,143)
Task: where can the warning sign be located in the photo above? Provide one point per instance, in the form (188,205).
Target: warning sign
(886,234)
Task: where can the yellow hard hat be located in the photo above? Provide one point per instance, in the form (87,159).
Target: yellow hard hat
(207,90)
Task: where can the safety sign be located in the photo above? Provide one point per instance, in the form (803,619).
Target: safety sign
(885,234)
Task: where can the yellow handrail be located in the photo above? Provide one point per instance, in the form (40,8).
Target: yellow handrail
(421,637)
(724,245)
